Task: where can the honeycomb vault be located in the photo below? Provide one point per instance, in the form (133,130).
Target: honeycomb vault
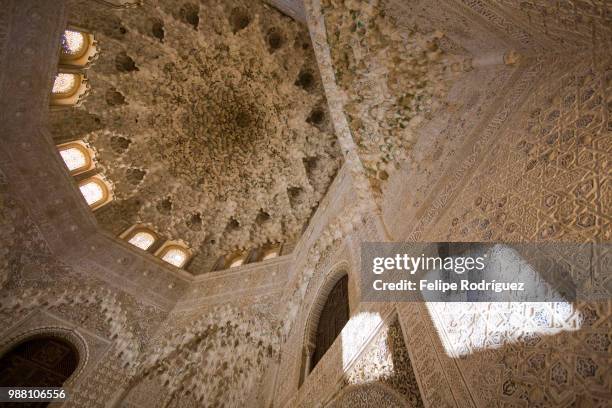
(211,122)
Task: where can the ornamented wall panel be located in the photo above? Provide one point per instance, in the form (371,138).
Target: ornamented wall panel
(541,354)
(211,356)
(548,177)
(567,25)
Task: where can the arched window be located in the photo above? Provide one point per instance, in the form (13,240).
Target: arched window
(66,84)
(95,191)
(140,236)
(74,43)
(271,252)
(78,48)
(333,317)
(175,256)
(142,240)
(77,157)
(38,362)
(236,260)
(174,253)
(69,89)
(329,315)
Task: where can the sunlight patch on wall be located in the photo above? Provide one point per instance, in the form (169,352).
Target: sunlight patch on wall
(357,332)
(465,327)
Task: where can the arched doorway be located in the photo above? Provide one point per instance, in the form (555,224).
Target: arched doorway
(38,362)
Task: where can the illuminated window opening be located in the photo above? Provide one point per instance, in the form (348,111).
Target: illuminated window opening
(237,261)
(174,253)
(77,157)
(95,191)
(142,240)
(65,84)
(74,43)
(270,253)
(69,89)
(74,158)
(175,256)
(78,48)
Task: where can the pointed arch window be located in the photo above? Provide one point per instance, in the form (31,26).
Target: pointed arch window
(95,191)
(77,157)
(174,253)
(333,317)
(329,315)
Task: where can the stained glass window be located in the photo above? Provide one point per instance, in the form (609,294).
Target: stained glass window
(142,240)
(73,42)
(64,83)
(93,192)
(175,256)
(74,158)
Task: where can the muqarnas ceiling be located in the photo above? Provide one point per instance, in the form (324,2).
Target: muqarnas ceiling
(210,120)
